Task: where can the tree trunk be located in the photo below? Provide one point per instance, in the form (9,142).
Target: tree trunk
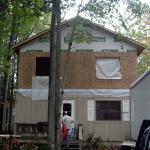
(11,93)
(58,100)
(54,103)
(6,89)
(52,75)
(11,87)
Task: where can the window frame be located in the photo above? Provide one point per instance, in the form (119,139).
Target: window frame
(108,119)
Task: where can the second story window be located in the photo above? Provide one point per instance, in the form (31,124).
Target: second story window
(108,68)
(42,66)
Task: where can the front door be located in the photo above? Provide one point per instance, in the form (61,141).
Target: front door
(68,105)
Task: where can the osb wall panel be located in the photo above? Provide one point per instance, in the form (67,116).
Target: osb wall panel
(27,68)
(81,71)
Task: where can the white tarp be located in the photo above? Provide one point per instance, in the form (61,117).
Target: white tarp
(108,68)
(40,87)
(75,93)
(43,94)
(24,92)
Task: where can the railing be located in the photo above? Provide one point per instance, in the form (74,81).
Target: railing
(41,128)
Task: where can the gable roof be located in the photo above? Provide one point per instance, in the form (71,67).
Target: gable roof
(143,76)
(140,46)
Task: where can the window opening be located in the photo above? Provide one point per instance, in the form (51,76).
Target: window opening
(42,66)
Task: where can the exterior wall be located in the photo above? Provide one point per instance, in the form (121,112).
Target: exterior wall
(95,46)
(81,69)
(81,74)
(27,68)
(28,111)
(140,105)
(98,46)
(31,112)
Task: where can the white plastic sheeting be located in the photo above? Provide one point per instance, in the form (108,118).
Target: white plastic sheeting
(40,87)
(108,68)
(98,92)
(24,92)
(43,94)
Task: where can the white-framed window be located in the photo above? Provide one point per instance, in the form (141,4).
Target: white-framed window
(108,110)
(114,110)
(108,68)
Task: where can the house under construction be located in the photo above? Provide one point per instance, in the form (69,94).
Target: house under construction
(96,87)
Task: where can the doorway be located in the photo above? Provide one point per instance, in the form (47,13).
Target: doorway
(68,105)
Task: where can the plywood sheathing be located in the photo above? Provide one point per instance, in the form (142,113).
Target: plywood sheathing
(27,68)
(81,71)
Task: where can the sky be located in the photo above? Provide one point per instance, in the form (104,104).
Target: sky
(73,12)
(146,1)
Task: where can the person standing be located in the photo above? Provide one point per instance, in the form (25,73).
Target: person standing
(70,125)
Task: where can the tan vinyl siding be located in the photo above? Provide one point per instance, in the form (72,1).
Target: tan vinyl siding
(28,111)
(108,130)
(31,112)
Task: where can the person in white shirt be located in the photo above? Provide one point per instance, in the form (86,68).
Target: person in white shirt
(69,122)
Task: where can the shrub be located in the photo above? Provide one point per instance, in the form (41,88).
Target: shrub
(92,143)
